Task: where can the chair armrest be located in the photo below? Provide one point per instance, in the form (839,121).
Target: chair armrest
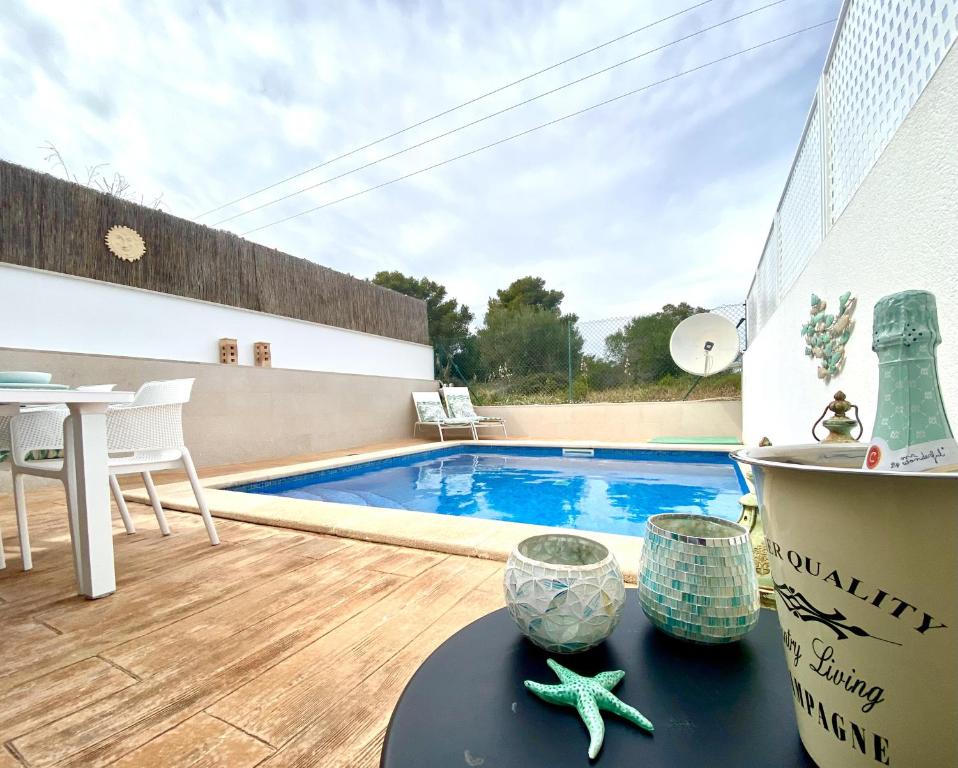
(144,427)
(39,430)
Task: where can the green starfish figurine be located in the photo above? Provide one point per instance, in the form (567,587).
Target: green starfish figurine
(589,695)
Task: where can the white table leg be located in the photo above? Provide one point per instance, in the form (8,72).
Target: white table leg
(70,488)
(85,444)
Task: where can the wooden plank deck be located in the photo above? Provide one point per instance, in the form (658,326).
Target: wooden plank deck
(277,648)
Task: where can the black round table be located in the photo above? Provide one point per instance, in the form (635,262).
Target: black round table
(722,706)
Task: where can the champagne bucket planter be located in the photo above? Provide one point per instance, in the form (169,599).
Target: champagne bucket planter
(565,592)
(865,566)
(697,578)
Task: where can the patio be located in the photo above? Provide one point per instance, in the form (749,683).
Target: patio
(277,648)
(536,275)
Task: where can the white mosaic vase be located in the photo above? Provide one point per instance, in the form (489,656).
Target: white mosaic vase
(565,592)
(697,578)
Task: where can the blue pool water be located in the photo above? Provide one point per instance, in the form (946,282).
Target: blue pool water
(615,491)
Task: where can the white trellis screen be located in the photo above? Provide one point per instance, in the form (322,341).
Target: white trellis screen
(883,54)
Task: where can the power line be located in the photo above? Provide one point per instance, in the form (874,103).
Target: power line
(451,131)
(541,125)
(459,106)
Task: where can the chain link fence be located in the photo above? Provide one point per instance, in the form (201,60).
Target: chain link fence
(538,357)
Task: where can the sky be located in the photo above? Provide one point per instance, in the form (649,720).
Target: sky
(660,197)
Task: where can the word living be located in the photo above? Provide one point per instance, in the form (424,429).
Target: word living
(827,668)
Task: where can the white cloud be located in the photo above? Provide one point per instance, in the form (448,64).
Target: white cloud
(661,197)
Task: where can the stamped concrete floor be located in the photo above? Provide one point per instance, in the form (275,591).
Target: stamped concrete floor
(277,648)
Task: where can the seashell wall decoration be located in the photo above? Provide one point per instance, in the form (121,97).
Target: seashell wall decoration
(826,335)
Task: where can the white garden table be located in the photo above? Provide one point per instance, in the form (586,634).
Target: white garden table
(84,441)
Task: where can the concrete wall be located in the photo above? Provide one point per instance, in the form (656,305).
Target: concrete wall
(51,311)
(899,232)
(621,422)
(242,413)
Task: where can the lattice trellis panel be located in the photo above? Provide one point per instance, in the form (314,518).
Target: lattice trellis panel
(884,56)
(763,298)
(800,214)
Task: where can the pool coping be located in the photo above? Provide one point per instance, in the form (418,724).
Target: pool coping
(472,537)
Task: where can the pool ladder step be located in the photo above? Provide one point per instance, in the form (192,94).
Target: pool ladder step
(579,453)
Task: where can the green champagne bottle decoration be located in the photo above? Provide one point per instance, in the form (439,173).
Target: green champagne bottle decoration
(911,431)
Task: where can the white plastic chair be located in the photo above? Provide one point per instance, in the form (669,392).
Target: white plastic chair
(5,448)
(149,434)
(42,429)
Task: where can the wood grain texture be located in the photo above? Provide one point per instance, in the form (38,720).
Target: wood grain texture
(336,735)
(48,223)
(277,648)
(113,726)
(278,704)
(49,697)
(7,760)
(183,643)
(200,742)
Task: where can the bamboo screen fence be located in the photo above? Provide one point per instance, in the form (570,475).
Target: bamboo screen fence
(47,223)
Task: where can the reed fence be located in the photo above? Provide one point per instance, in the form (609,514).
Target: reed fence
(56,225)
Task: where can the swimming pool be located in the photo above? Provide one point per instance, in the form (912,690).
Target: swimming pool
(612,491)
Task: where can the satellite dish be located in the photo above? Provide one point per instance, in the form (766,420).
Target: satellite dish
(704,344)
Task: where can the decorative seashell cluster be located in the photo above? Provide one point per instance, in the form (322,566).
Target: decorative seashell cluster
(827,334)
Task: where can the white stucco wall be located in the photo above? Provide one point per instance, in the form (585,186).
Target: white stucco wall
(49,311)
(899,232)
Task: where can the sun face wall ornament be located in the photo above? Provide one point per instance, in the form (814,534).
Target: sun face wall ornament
(827,334)
(125,243)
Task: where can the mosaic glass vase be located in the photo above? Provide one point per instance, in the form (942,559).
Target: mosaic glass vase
(697,578)
(564,592)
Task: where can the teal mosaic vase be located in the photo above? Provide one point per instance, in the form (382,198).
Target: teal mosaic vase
(911,432)
(697,578)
